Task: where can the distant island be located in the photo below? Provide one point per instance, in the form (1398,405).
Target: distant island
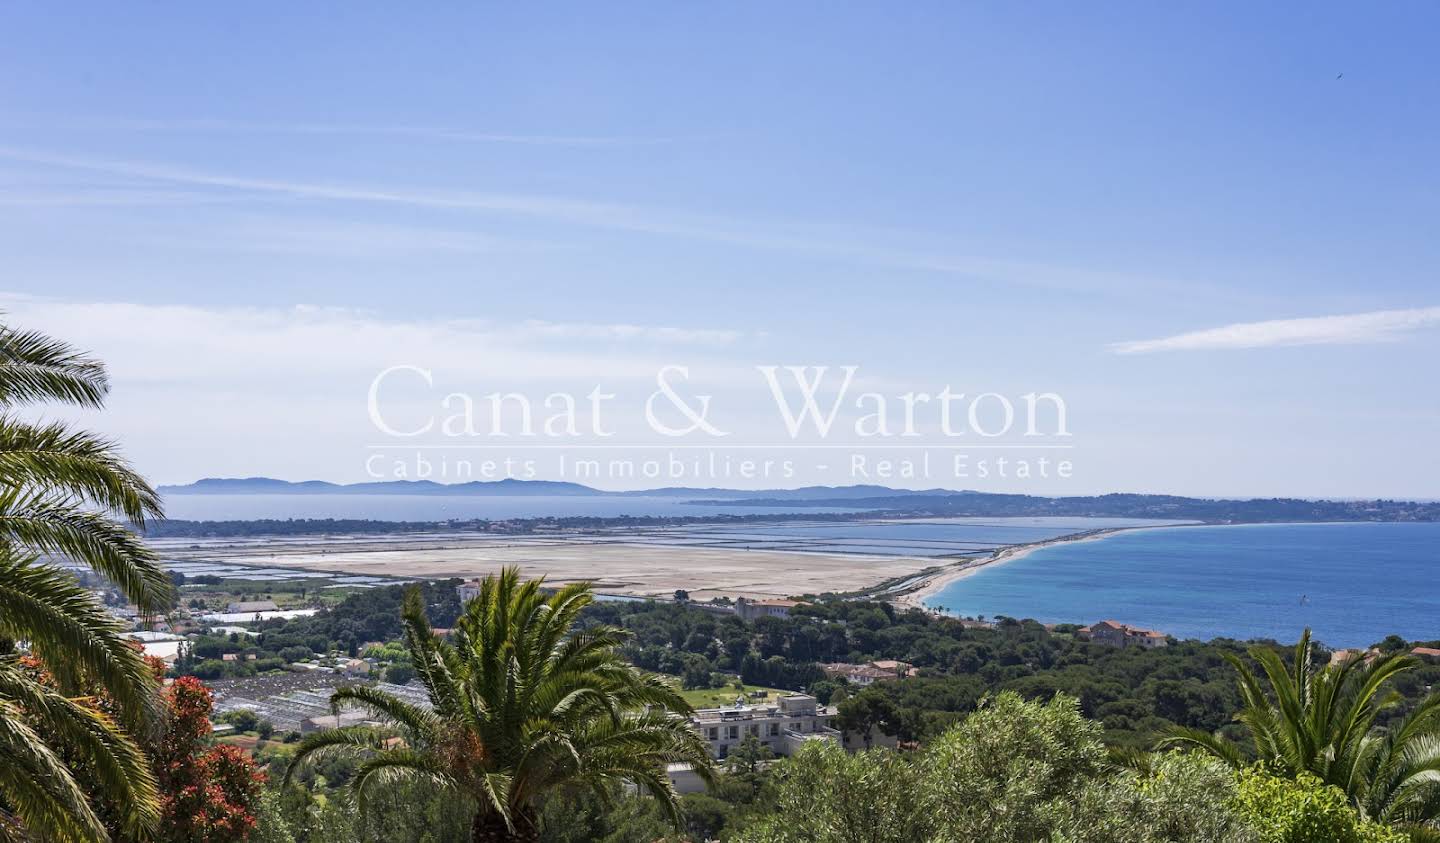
(514,487)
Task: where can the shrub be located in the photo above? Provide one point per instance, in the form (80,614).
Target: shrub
(1302,810)
(1013,772)
(400,673)
(243,719)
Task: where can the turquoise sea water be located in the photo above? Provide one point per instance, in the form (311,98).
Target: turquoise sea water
(1353,584)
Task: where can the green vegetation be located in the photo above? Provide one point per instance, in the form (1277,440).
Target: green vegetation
(1305,809)
(60,492)
(524,704)
(1018,771)
(1136,694)
(1013,771)
(364,618)
(1320,723)
(1024,733)
(729,687)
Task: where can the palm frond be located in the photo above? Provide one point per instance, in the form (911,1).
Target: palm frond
(55,526)
(110,756)
(77,637)
(1181,737)
(384,768)
(360,740)
(524,702)
(58,491)
(53,457)
(427,654)
(419,721)
(34,367)
(39,788)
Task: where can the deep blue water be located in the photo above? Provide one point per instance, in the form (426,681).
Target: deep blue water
(1353,584)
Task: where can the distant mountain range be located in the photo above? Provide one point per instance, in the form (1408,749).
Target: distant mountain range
(513,488)
(863,499)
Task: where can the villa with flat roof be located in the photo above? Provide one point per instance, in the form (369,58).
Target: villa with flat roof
(784,726)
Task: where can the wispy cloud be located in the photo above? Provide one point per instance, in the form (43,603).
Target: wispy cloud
(1376,326)
(523,204)
(291,235)
(435,133)
(229,344)
(86,197)
(827,241)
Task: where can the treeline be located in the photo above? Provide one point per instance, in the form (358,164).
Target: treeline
(1131,506)
(371,616)
(1135,694)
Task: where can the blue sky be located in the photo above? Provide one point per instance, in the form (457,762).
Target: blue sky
(250,211)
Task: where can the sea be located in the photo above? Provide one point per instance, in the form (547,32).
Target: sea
(1352,584)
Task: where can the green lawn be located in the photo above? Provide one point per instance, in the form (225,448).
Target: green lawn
(718,697)
(334,596)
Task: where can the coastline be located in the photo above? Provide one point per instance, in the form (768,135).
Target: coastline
(915,597)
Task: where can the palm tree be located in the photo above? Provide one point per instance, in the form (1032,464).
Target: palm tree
(60,492)
(522,703)
(1323,722)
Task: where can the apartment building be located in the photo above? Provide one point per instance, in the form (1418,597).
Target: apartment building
(784,725)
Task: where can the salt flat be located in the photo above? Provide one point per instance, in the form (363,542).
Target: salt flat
(614,568)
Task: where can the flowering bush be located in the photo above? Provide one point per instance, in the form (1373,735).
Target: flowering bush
(208,793)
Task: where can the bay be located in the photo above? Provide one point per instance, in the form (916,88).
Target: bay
(1353,584)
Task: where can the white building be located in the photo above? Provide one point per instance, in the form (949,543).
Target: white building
(161,645)
(784,726)
(468,591)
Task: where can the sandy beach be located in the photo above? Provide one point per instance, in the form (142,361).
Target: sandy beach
(915,597)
